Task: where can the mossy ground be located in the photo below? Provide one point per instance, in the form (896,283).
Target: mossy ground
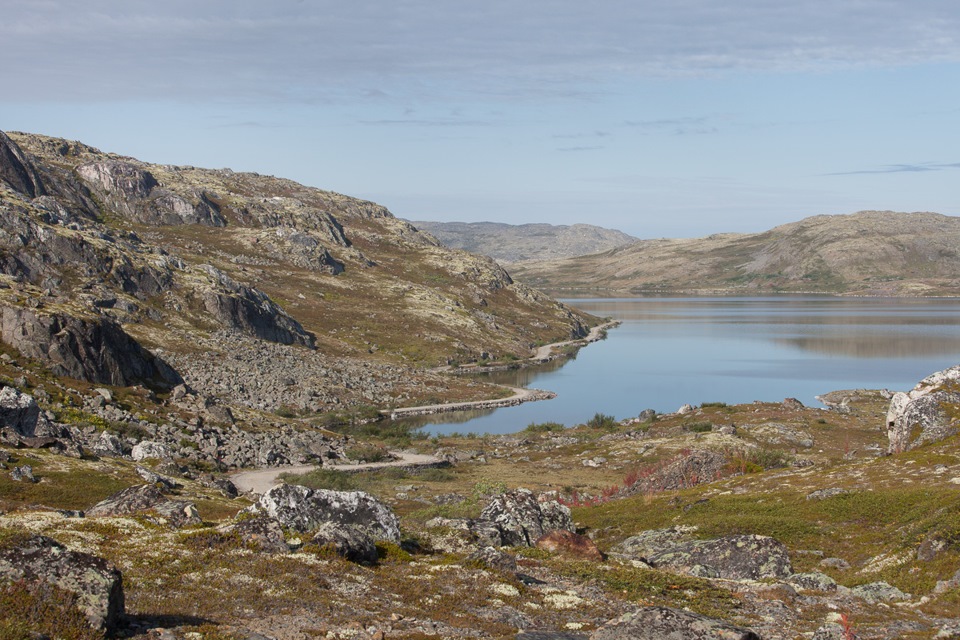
(200,579)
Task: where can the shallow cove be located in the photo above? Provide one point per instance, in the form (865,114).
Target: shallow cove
(673,351)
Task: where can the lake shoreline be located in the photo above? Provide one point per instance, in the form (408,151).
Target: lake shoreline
(520,395)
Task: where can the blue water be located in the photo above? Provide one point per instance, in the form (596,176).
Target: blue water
(673,351)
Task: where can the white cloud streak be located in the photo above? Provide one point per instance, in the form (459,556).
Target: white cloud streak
(329,50)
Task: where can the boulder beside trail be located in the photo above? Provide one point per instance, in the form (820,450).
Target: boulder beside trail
(304,509)
(98,585)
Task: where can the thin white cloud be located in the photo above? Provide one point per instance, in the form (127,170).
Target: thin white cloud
(329,50)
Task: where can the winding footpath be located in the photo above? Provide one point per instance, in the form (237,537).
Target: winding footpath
(261,480)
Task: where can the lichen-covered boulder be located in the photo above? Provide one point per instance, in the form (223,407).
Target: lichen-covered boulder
(147,500)
(664,623)
(743,557)
(929,412)
(304,509)
(175,513)
(128,501)
(649,543)
(98,585)
(495,559)
(522,519)
(260,532)
(879,592)
(147,449)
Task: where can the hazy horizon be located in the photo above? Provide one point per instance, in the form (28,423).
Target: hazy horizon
(660,119)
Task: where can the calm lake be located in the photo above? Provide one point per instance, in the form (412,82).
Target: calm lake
(672,351)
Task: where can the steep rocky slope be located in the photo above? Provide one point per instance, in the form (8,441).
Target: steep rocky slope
(868,253)
(103,255)
(511,243)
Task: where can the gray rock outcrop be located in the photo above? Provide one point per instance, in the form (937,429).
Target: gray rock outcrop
(522,519)
(19,411)
(92,349)
(250,310)
(135,192)
(928,413)
(98,585)
(304,509)
(260,532)
(665,623)
(147,500)
(741,557)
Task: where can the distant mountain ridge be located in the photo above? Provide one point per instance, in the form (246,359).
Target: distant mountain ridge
(512,243)
(864,253)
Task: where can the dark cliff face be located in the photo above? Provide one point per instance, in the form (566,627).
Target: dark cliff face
(97,349)
(17,171)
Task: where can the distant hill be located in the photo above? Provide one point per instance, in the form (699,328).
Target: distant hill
(511,243)
(868,253)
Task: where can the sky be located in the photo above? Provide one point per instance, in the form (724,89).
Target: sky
(661,118)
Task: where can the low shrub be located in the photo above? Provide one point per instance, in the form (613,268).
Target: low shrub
(323,479)
(602,421)
(544,427)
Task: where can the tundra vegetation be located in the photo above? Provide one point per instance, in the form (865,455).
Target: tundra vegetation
(165,328)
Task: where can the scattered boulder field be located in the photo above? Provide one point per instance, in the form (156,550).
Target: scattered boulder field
(768,520)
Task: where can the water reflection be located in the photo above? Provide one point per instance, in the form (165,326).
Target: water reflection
(671,351)
(886,346)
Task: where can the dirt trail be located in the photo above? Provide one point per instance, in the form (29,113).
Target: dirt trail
(261,480)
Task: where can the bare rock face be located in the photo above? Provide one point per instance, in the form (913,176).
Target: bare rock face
(303,509)
(240,307)
(743,557)
(136,193)
(522,519)
(929,412)
(95,349)
(17,171)
(97,584)
(664,623)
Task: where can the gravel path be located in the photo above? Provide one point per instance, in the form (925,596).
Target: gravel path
(261,480)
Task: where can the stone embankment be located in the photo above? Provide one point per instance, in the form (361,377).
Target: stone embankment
(519,396)
(543,354)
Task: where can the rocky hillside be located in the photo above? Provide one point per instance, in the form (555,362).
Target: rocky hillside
(866,253)
(511,243)
(116,271)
